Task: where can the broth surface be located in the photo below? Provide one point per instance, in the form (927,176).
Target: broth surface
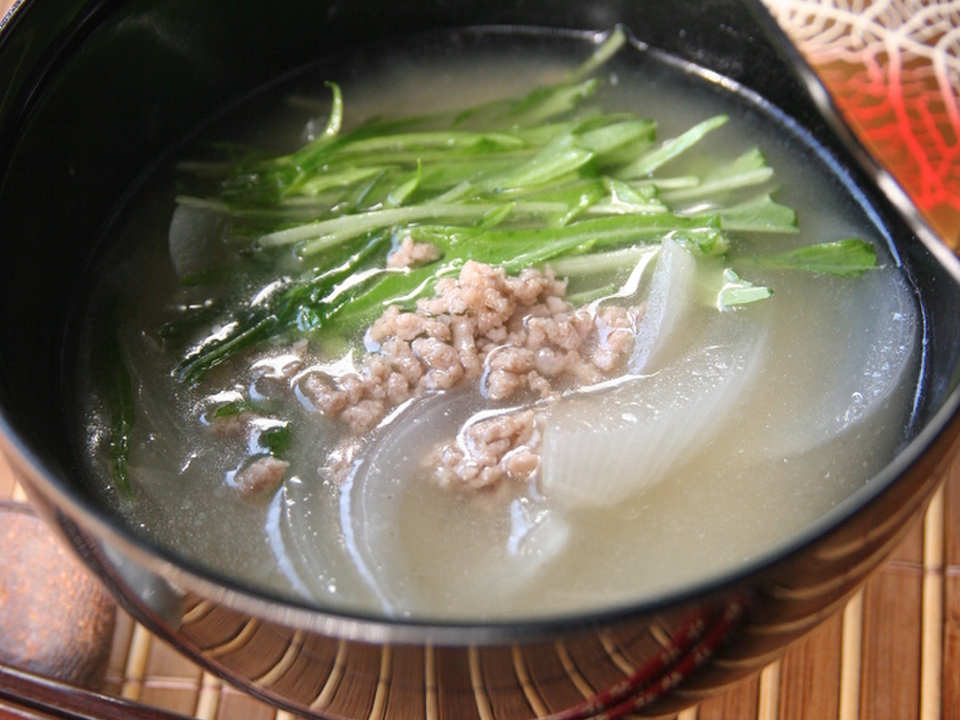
(826,372)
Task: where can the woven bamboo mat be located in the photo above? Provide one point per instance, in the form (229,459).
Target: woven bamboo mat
(894,651)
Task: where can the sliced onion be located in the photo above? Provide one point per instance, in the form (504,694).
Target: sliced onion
(670,296)
(194,239)
(870,369)
(414,551)
(600,449)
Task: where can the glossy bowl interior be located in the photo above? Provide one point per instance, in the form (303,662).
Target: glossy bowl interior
(97,93)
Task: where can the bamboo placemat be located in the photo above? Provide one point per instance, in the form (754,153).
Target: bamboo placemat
(894,652)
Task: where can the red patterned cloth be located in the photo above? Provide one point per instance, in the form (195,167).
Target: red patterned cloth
(893,69)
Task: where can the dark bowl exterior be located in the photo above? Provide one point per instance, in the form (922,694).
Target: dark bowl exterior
(96,91)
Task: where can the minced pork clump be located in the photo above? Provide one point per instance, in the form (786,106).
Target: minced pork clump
(511,334)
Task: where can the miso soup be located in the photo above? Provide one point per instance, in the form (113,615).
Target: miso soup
(492,325)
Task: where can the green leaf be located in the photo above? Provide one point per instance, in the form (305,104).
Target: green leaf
(647,163)
(496,216)
(236,407)
(276,439)
(325,234)
(117,382)
(518,248)
(747,170)
(603,141)
(760,214)
(335,119)
(214,351)
(342,179)
(737,291)
(560,157)
(548,103)
(846,258)
(403,288)
(398,195)
(607,49)
(575,197)
(577,266)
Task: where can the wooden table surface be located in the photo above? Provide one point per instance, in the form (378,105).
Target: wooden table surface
(894,652)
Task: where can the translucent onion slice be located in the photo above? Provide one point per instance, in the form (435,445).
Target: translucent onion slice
(194,240)
(670,295)
(601,449)
(870,367)
(412,542)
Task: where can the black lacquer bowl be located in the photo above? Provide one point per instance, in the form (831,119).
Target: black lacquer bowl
(94,92)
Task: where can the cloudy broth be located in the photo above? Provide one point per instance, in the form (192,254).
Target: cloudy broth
(805,396)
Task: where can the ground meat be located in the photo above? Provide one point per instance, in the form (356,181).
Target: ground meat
(488,451)
(411,254)
(233,425)
(512,334)
(364,414)
(262,474)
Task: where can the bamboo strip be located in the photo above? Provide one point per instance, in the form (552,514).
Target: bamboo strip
(333,680)
(660,635)
(810,675)
(740,702)
(119,653)
(851,647)
(615,655)
(208,700)
(931,662)
(950,676)
(285,662)
(950,688)
(768,702)
(383,684)
(136,667)
(479,690)
(891,655)
(198,612)
(432,703)
(572,672)
(234,644)
(529,690)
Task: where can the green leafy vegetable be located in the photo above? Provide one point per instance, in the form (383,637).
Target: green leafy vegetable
(117,382)
(847,258)
(276,440)
(671,149)
(545,178)
(236,407)
(759,214)
(737,291)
